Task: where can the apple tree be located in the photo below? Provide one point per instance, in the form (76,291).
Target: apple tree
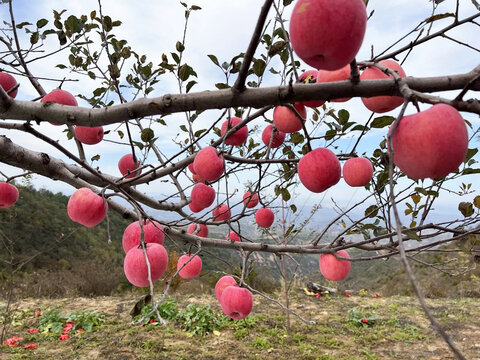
(272,128)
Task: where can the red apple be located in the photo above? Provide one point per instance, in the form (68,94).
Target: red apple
(126,165)
(192,269)
(236,302)
(310,77)
(250,200)
(8,194)
(222,284)
(89,135)
(233,236)
(286,120)
(332,268)
(239,136)
(208,164)
(327,34)
(278,137)
(198,179)
(221,213)
(135,266)
(61,97)
(264,217)
(382,104)
(343,73)
(86,208)
(8,82)
(195,208)
(203,232)
(202,195)
(319,169)
(431,143)
(152,233)
(192,168)
(357,171)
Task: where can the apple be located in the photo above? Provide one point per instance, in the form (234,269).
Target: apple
(195,208)
(332,268)
(61,97)
(327,34)
(208,164)
(8,194)
(286,120)
(233,236)
(202,232)
(319,169)
(382,104)
(239,136)
(202,195)
(192,269)
(86,208)
(278,137)
(264,217)
(236,302)
(135,266)
(343,73)
(250,200)
(310,77)
(222,284)
(357,171)
(198,179)
(221,213)
(126,165)
(8,82)
(89,135)
(192,168)
(152,233)
(431,143)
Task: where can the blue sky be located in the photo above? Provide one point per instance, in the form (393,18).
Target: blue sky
(153,28)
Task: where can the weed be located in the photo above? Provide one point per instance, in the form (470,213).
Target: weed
(261,343)
(357,318)
(199,320)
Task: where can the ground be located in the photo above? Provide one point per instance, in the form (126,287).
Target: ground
(396,329)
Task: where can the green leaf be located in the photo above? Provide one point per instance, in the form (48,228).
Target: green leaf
(74,24)
(190,85)
(147,135)
(476,201)
(195,7)
(371,211)
(179,46)
(120,134)
(199,132)
(34,38)
(438,17)
(22,24)
(343,116)
(470,154)
(382,121)
(95,158)
(185,71)
(330,134)
(91,74)
(41,23)
(416,198)
(184,128)
(214,59)
(466,208)
(297,138)
(139,145)
(293,208)
(221,86)
(412,235)
(259,67)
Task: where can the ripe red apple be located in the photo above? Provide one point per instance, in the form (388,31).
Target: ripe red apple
(152,233)
(343,73)
(319,169)
(382,104)
(135,266)
(195,208)
(198,179)
(208,164)
(61,97)
(86,208)
(250,200)
(8,194)
(236,302)
(286,120)
(332,268)
(8,82)
(192,269)
(89,135)
(357,171)
(221,213)
(203,232)
(431,143)
(310,77)
(233,236)
(126,165)
(264,217)
(192,168)
(222,284)
(327,34)
(278,137)
(202,195)
(239,136)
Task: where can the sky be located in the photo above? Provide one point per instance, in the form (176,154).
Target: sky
(224,28)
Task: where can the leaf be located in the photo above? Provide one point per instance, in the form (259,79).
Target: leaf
(95,158)
(190,85)
(147,135)
(175,57)
(34,38)
(343,116)
(470,154)
(416,198)
(74,24)
(297,138)
(259,67)
(293,208)
(438,17)
(371,211)
(120,134)
(476,201)
(185,71)
(22,24)
(179,46)
(412,235)
(466,208)
(221,86)
(382,121)
(214,59)
(276,48)
(41,23)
